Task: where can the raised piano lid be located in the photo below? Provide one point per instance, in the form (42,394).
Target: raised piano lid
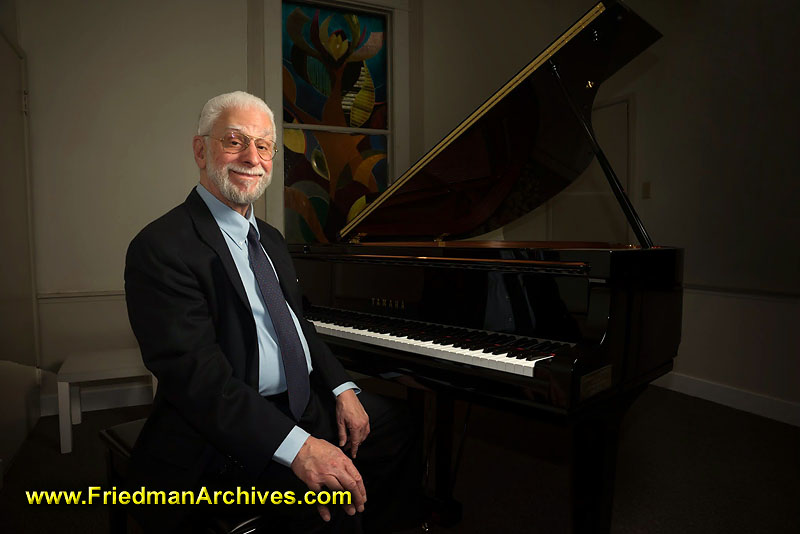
(516,151)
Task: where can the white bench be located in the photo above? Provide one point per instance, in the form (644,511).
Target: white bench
(89,367)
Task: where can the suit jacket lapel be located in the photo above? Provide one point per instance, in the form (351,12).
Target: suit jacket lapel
(209,232)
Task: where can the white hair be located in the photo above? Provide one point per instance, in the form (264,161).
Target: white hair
(237,99)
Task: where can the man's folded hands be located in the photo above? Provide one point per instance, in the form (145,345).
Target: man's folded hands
(321,464)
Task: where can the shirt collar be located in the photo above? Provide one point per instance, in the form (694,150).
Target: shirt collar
(228,220)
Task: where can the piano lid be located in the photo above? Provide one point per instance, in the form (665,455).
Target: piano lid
(517,150)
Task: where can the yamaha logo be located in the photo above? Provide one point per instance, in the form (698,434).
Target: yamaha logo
(390,304)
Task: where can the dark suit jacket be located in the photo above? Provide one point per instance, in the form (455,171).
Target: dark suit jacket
(190,314)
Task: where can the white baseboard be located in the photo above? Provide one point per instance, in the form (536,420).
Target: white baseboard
(747,401)
(103,397)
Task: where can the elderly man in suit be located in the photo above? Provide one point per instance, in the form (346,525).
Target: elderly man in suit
(248,394)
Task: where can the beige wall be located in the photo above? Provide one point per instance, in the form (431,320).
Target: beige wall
(115,92)
(713,136)
(19,389)
(472,48)
(19,399)
(749,342)
(82,324)
(8,19)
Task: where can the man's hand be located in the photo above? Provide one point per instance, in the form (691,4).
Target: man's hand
(351,419)
(319,463)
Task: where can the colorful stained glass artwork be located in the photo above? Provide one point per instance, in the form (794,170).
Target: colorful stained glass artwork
(328,178)
(334,67)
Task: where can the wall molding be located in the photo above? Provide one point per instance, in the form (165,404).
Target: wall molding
(739,292)
(83,295)
(747,401)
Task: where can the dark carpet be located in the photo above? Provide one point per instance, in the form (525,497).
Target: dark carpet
(685,466)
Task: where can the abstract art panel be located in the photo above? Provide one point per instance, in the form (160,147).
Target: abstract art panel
(334,67)
(328,178)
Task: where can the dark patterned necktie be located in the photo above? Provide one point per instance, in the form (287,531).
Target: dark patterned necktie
(294,360)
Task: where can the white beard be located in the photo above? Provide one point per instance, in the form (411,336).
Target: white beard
(221,178)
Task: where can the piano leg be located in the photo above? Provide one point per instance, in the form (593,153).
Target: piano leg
(593,462)
(442,508)
(444,447)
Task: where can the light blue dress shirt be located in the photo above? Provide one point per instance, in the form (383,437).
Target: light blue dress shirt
(271,377)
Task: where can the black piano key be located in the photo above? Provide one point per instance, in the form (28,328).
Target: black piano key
(434,333)
(418,333)
(455,337)
(459,341)
(485,347)
(529,343)
(463,342)
(472,340)
(405,333)
(375,326)
(521,354)
(401,329)
(532,352)
(513,355)
(505,349)
(536,356)
(520,349)
(482,342)
(501,341)
(447,336)
(541,354)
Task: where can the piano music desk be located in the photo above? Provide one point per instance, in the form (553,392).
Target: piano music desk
(91,367)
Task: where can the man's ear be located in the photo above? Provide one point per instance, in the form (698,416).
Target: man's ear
(199,149)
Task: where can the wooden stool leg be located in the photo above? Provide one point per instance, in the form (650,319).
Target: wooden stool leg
(64,417)
(75,404)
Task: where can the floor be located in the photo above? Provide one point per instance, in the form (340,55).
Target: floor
(685,466)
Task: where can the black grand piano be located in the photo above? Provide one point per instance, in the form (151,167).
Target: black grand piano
(564,332)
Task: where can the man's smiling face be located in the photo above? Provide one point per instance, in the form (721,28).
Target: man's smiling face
(240,178)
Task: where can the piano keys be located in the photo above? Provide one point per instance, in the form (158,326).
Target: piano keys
(475,348)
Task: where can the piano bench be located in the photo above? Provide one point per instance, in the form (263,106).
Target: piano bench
(119,442)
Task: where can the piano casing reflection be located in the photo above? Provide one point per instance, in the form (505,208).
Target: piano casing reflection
(565,332)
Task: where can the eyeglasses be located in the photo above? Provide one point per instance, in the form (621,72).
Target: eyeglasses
(234,142)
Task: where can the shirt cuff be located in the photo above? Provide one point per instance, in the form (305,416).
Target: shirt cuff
(290,446)
(344,387)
